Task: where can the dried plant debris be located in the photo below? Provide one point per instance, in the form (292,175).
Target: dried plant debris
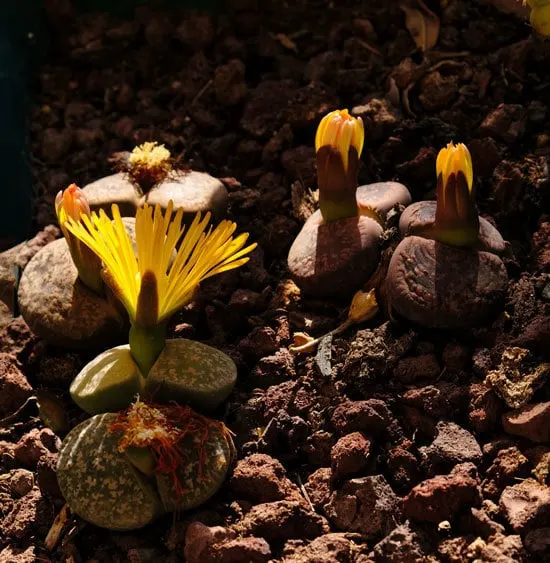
(422,23)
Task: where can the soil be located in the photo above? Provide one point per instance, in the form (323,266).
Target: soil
(387,444)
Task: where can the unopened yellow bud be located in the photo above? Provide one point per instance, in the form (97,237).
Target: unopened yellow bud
(71,202)
(341,131)
(454,160)
(456,218)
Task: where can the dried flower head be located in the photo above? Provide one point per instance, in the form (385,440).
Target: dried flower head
(149,164)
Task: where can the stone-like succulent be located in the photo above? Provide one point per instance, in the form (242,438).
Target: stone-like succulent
(153,282)
(338,246)
(121,471)
(147,175)
(446,273)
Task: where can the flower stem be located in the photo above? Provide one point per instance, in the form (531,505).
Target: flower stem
(146,344)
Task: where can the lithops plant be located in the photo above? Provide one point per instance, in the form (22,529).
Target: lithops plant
(61,294)
(338,247)
(152,282)
(446,273)
(147,175)
(121,471)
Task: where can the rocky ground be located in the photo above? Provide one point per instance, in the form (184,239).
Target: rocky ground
(390,444)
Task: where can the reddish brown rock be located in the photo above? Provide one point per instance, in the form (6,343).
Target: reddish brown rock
(379,117)
(404,466)
(526,506)
(239,550)
(485,156)
(412,368)
(456,357)
(366,505)
(506,122)
(17,483)
(452,445)
(274,369)
(401,545)
(371,416)
(33,445)
(531,422)
(484,407)
(350,454)
(330,548)
(260,478)
(497,549)
(441,497)
(441,400)
(262,341)
(509,464)
(318,487)
(14,387)
(229,84)
(507,188)
(540,244)
(47,476)
(198,537)
(30,514)
(282,520)
(538,541)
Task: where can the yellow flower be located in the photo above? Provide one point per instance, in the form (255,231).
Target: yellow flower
(341,131)
(456,217)
(160,280)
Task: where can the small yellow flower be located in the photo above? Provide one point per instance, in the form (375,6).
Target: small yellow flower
(342,131)
(159,281)
(71,202)
(456,217)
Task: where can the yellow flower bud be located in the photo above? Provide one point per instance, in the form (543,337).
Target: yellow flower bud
(456,217)
(454,160)
(338,146)
(341,131)
(71,202)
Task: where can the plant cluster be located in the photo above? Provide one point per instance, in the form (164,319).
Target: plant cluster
(148,447)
